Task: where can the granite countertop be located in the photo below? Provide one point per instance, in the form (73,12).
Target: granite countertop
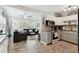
(2,38)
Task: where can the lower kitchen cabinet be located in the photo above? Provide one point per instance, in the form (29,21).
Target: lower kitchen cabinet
(70,36)
(46,37)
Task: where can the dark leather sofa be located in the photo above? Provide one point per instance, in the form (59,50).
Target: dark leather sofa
(31,31)
(21,36)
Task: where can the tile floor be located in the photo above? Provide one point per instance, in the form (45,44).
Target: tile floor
(34,46)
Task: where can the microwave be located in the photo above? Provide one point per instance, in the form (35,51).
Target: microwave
(49,23)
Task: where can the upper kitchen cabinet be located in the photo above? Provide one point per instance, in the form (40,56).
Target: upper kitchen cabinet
(60,20)
(57,20)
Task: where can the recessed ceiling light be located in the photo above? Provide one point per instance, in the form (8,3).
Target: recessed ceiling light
(65,10)
(25,17)
(74,7)
(69,9)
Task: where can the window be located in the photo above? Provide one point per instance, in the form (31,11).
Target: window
(2,24)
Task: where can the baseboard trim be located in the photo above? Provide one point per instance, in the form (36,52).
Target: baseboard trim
(43,42)
(69,42)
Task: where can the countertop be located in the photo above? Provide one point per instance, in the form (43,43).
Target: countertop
(70,32)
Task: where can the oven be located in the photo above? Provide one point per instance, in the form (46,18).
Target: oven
(55,36)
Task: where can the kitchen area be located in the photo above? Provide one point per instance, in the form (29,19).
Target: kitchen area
(60,28)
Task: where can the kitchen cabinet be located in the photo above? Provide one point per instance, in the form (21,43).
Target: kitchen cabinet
(70,25)
(70,36)
(46,37)
(60,20)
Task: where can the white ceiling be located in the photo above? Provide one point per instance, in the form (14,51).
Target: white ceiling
(50,9)
(47,8)
(43,8)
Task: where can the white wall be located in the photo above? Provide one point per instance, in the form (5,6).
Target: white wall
(2,23)
(16,15)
